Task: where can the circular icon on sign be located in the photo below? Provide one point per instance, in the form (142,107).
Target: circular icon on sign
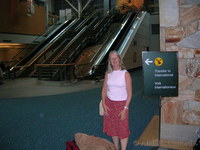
(158,61)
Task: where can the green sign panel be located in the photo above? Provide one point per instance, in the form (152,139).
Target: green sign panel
(160,73)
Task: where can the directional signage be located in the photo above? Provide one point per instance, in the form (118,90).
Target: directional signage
(160,73)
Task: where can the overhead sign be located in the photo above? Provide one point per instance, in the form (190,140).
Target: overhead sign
(160,73)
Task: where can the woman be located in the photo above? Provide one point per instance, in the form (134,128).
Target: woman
(116,97)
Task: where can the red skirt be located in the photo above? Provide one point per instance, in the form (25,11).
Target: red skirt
(112,123)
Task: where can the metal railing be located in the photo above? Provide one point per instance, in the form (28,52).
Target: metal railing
(42,37)
(62,70)
(68,71)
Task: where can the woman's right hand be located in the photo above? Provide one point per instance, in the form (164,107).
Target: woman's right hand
(106,109)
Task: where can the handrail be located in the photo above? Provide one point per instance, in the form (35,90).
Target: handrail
(49,29)
(47,65)
(52,32)
(102,19)
(62,65)
(61,70)
(79,35)
(42,51)
(93,21)
(69,64)
(99,22)
(85,20)
(107,45)
(68,45)
(59,22)
(132,31)
(101,52)
(70,42)
(129,37)
(18,54)
(45,48)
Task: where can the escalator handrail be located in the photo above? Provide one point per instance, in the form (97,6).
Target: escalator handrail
(57,28)
(76,37)
(38,55)
(131,33)
(42,51)
(45,48)
(82,24)
(107,45)
(109,14)
(68,45)
(99,22)
(18,54)
(34,49)
(135,25)
(60,23)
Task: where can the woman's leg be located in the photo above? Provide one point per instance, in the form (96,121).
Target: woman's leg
(116,141)
(124,143)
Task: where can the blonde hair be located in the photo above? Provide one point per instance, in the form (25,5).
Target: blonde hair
(109,67)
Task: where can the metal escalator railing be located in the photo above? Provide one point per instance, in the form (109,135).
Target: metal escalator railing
(120,41)
(125,42)
(66,71)
(51,42)
(123,46)
(53,71)
(131,33)
(23,52)
(66,48)
(58,25)
(108,44)
(117,41)
(70,49)
(41,51)
(42,44)
(75,46)
(48,45)
(73,51)
(51,31)
(62,69)
(100,28)
(31,58)
(39,40)
(83,26)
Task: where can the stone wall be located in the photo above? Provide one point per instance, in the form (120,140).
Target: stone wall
(180,31)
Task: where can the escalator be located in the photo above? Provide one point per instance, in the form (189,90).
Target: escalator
(53,67)
(87,53)
(52,45)
(94,63)
(93,37)
(42,44)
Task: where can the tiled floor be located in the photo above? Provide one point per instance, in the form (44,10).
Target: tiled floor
(30,87)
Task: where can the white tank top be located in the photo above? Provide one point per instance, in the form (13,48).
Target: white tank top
(116,84)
